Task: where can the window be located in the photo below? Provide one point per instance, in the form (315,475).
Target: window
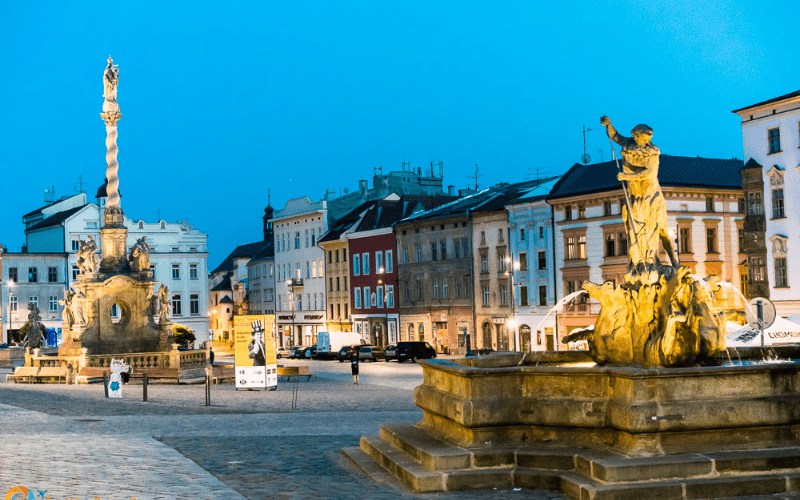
(297,239)
(606,208)
(774,140)
(192,271)
(484,263)
(367,298)
(777,204)
(338,283)
(365,264)
(417,252)
(781,276)
(623,243)
(405,254)
(379,295)
(13,275)
(610,245)
(523,295)
(52,274)
(194,304)
(379,262)
(741,240)
(709,203)
(76,244)
(500,234)
(568,212)
(570,287)
(357,295)
(464,247)
(756,268)
(419,289)
(523,261)
(433,251)
(356,265)
(741,205)
(54,303)
(503,295)
(176,249)
(33,275)
(436,289)
(313,237)
(192,249)
(443,249)
(330,284)
(390,296)
(685,244)
(541,232)
(542,295)
(754,206)
(501,262)
(581,247)
(711,240)
(75,272)
(445,293)
(13,304)
(483,237)
(308,269)
(34,301)
(389,261)
(522,235)
(486,296)
(176,305)
(330,256)
(581,211)
(176,271)
(570,248)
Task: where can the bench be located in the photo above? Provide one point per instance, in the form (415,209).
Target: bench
(33,374)
(221,373)
(157,373)
(295,371)
(55,372)
(89,374)
(25,374)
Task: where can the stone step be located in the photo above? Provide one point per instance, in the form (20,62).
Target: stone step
(368,466)
(430,452)
(756,460)
(401,465)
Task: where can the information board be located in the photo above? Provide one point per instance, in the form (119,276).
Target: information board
(255,355)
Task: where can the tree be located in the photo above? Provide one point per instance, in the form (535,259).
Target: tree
(183,335)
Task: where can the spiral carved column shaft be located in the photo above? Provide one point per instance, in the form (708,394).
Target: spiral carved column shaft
(112,166)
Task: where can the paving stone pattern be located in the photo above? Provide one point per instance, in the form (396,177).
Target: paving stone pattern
(74,443)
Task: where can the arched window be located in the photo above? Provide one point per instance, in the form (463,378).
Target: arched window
(411,332)
(421,332)
(141,224)
(525,337)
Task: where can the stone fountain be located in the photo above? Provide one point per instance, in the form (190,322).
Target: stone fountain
(651,410)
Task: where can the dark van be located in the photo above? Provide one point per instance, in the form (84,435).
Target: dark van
(414,350)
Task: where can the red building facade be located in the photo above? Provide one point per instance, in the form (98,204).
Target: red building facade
(373,290)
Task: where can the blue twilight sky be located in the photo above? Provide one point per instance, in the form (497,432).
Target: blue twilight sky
(224,100)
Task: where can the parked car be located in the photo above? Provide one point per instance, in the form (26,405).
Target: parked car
(346,352)
(311,352)
(414,350)
(300,353)
(391,352)
(282,352)
(479,352)
(370,353)
(293,351)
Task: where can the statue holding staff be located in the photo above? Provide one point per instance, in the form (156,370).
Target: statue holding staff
(110,81)
(646,215)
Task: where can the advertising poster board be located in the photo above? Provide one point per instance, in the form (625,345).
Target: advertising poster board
(255,356)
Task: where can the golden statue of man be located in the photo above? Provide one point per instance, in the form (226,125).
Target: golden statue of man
(646,215)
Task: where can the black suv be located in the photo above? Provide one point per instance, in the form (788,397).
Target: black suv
(414,350)
(346,352)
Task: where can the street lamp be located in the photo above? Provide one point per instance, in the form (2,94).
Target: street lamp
(10,318)
(290,284)
(385,306)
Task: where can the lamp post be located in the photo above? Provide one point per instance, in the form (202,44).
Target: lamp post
(385,307)
(10,317)
(290,284)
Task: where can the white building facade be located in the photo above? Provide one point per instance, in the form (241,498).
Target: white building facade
(771,137)
(299,270)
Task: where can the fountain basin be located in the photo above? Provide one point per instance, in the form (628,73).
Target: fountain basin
(555,399)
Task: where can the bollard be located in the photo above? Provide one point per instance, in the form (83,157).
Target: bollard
(208,386)
(144,386)
(105,383)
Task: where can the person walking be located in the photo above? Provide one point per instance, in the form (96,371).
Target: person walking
(354,366)
(211,355)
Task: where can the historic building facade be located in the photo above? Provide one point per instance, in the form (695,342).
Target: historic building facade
(771,138)
(704,198)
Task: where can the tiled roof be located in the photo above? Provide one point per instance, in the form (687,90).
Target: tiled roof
(223,285)
(56,219)
(385,213)
(38,210)
(242,251)
(751,163)
(770,101)
(489,200)
(268,252)
(226,300)
(675,171)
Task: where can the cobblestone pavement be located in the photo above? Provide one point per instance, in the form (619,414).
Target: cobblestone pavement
(74,443)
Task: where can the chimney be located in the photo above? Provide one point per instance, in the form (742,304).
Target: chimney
(362,186)
(451,190)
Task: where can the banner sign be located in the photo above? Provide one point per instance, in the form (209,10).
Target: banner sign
(255,356)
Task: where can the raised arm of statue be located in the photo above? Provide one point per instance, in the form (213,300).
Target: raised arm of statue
(612,132)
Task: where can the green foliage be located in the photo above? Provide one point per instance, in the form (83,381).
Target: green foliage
(183,335)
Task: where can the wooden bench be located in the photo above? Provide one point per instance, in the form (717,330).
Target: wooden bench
(54,372)
(157,373)
(295,371)
(25,374)
(89,374)
(222,373)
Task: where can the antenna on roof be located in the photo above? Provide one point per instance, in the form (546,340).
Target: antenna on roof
(585,158)
(79,186)
(50,195)
(475,177)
